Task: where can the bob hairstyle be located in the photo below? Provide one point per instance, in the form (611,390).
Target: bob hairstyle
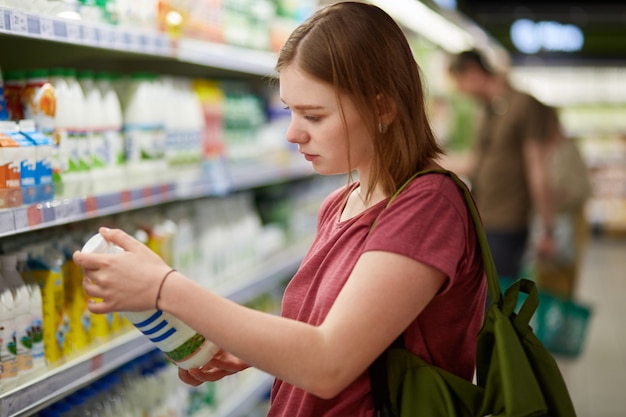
(360,50)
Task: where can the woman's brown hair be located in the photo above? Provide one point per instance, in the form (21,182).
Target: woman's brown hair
(361,51)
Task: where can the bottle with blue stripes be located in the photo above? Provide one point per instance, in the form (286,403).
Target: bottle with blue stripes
(183,345)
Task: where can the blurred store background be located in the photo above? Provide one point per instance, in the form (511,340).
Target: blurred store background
(213,62)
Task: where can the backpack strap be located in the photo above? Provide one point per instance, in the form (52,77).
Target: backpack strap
(493,283)
(378,369)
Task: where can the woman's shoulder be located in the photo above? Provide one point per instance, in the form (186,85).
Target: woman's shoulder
(438,182)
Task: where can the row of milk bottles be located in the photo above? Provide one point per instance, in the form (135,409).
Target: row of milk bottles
(147,386)
(115,134)
(21,322)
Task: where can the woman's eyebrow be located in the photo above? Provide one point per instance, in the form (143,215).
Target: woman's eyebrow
(302,106)
(306,107)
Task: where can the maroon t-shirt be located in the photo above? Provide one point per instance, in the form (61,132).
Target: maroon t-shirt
(428,222)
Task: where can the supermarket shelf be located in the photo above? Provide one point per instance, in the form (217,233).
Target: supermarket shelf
(66,378)
(47,388)
(129,40)
(228,57)
(26,24)
(58,212)
(248,396)
(266,275)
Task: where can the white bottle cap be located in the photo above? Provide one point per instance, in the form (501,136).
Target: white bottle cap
(96,244)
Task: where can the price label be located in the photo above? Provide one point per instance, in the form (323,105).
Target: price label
(7,222)
(143,43)
(59,29)
(33,24)
(147,193)
(22,399)
(73,32)
(5,19)
(132,41)
(67,210)
(91,205)
(20,216)
(120,40)
(96,363)
(107,38)
(90,35)
(46,27)
(18,21)
(126,198)
(35,215)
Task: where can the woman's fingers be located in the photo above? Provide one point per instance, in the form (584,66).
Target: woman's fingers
(86,260)
(120,238)
(209,375)
(184,376)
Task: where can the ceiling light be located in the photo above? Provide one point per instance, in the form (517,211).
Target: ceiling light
(417,17)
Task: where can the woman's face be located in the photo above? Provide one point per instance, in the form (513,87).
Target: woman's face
(317,126)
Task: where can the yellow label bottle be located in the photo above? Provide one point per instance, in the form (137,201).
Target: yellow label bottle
(46,267)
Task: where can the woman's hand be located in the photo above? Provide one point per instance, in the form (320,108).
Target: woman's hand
(127,281)
(221,365)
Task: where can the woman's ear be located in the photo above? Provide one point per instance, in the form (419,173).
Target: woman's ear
(387,109)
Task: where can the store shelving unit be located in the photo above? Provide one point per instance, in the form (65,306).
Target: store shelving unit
(24,38)
(76,39)
(98,361)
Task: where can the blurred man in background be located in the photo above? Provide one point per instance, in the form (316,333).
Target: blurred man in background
(508,168)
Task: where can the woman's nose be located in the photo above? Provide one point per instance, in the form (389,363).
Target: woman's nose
(295,134)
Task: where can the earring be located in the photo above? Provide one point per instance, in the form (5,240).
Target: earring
(382,128)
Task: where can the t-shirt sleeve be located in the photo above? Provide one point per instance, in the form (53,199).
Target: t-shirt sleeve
(428,223)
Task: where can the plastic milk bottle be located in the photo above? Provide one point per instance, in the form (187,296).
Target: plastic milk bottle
(60,154)
(94,123)
(36,312)
(8,355)
(112,152)
(76,179)
(46,265)
(144,131)
(183,345)
(21,303)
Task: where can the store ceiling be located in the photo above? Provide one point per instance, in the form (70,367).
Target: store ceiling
(602,22)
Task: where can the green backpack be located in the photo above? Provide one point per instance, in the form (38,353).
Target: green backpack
(516,376)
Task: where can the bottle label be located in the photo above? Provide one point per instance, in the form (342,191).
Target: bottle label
(187,349)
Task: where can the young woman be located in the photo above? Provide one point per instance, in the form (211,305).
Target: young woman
(350,80)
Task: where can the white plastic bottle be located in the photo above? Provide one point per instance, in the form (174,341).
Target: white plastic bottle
(76,178)
(21,306)
(61,151)
(36,312)
(183,345)
(93,114)
(112,154)
(8,357)
(144,128)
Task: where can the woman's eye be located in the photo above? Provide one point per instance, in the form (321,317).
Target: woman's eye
(311,118)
